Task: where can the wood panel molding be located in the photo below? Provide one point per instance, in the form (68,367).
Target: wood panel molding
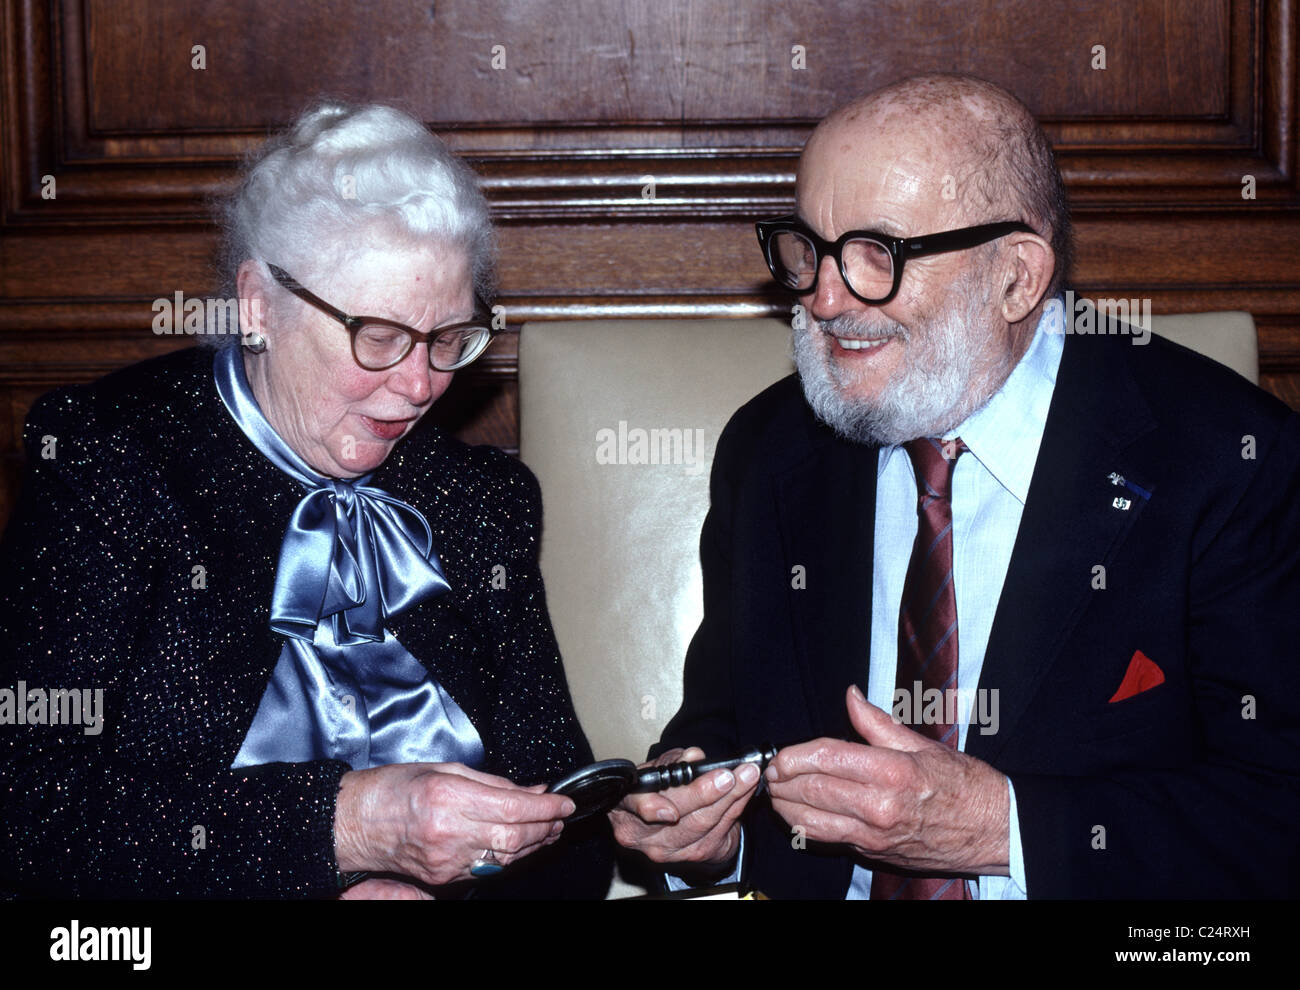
(73,109)
(625,147)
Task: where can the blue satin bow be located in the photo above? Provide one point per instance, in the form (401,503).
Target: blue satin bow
(344,539)
(371,540)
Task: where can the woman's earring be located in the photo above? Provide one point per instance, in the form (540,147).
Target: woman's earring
(255,342)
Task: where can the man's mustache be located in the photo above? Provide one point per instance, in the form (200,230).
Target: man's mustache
(855,326)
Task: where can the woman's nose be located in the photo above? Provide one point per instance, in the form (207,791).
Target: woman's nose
(412,377)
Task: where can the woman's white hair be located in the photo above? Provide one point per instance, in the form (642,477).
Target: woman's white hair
(341,178)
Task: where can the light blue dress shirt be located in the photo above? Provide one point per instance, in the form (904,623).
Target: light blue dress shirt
(989,488)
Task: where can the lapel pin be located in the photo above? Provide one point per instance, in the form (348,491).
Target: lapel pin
(1117,479)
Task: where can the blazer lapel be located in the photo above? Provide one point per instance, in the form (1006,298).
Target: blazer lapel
(440,631)
(826,507)
(1071,524)
(242,503)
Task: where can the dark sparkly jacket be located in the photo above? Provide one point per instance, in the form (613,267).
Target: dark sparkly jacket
(151,479)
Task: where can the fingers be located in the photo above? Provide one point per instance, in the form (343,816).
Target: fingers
(715,792)
(512,842)
(733,805)
(850,761)
(432,821)
(845,779)
(656,808)
(721,842)
(494,805)
(507,856)
(877,726)
(831,789)
(460,770)
(490,780)
(671,806)
(653,809)
(820,825)
(513,823)
(822,793)
(705,828)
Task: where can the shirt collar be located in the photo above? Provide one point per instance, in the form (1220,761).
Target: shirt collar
(1005,433)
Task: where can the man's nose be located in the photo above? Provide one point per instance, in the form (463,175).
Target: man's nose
(831,297)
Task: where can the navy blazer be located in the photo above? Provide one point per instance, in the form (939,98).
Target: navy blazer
(141,560)
(1188,789)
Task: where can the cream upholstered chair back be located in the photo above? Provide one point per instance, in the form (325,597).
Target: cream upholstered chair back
(619,420)
(1227,337)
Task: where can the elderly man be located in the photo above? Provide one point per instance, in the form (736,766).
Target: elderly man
(1018,599)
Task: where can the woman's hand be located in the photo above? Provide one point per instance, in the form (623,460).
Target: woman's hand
(384,889)
(431,821)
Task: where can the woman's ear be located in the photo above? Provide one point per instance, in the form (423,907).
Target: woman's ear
(251,283)
(1031,265)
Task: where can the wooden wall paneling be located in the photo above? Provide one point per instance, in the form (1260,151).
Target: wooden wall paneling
(1191,91)
(593,96)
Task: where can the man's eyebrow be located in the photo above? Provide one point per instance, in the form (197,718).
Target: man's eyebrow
(885,228)
(890,229)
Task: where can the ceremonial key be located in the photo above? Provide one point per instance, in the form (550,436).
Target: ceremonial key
(600,786)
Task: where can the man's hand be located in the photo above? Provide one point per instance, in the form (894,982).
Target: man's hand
(697,824)
(904,799)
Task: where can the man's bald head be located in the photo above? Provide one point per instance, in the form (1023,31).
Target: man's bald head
(1000,160)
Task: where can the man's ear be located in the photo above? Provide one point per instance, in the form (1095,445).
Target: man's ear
(252,285)
(1029,268)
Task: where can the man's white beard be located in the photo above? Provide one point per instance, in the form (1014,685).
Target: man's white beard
(931,391)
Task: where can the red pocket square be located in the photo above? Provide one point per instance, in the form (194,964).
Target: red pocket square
(1142,675)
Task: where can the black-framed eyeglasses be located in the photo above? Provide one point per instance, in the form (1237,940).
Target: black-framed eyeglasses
(379,344)
(870,263)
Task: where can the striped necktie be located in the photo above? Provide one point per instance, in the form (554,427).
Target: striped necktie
(927,638)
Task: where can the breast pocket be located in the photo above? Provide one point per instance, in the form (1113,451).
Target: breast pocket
(1147,711)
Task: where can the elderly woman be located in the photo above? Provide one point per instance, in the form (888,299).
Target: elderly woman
(320,633)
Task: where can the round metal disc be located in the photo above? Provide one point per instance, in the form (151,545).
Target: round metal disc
(596,788)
